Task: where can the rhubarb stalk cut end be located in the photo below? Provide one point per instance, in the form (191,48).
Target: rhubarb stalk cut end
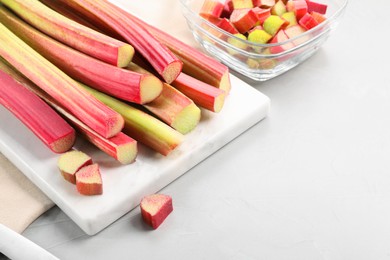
(89,181)
(172,71)
(126,150)
(62,145)
(187,119)
(219,102)
(151,88)
(225,82)
(71,162)
(125,55)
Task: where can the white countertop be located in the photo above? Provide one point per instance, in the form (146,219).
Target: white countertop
(311,181)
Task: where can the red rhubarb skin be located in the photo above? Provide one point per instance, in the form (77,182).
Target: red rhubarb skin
(201,93)
(160,57)
(40,118)
(243,19)
(195,63)
(118,82)
(168,104)
(164,206)
(74,34)
(60,86)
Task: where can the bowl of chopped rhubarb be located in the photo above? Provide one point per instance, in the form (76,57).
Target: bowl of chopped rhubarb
(262,39)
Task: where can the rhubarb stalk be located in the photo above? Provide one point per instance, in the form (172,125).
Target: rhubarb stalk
(121,83)
(60,86)
(78,36)
(141,126)
(33,112)
(160,57)
(172,106)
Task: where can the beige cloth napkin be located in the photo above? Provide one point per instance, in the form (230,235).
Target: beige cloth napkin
(21,202)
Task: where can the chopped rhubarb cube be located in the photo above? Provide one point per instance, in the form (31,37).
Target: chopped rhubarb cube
(240,4)
(155,209)
(278,38)
(279,8)
(243,19)
(290,17)
(308,21)
(262,13)
(226,25)
(318,17)
(273,24)
(211,8)
(299,7)
(295,31)
(316,7)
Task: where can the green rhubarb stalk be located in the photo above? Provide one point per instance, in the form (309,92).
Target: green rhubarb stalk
(60,86)
(72,33)
(141,126)
(172,107)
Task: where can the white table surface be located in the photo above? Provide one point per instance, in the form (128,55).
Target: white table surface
(312,181)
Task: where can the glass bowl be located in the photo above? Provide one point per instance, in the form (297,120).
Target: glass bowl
(256,61)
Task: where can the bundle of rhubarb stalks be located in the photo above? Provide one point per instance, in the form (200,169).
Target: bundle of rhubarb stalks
(92,68)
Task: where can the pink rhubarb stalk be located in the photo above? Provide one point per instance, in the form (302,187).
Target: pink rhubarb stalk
(33,112)
(162,59)
(202,94)
(71,33)
(60,86)
(195,63)
(121,83)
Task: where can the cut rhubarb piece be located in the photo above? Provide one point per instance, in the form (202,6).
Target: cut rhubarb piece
(243,19)
(308,22)
(60,86)
(240,4)
(262,14)
(211,8)
(143,127)
(273,24)
(259,36)
(89,180)
(71,33)
(291,18)
(237,41)
(316,7)
(71,162)
(41,119)
(294,32)
(279,38)
(227,26)
(299,7)
(173,107)
(318,17)
(155,209)
(279,8)
(159,56)
(121,83)
(202,94)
